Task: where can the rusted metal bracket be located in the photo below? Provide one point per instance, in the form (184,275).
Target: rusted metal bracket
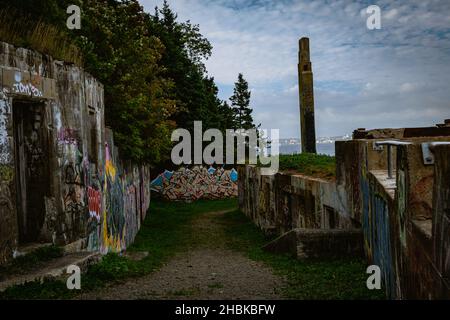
(390,144)
(427,151)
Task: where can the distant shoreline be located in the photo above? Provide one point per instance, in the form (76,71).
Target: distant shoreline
(322,148)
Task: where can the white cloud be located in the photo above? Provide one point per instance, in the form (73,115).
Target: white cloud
(396,76)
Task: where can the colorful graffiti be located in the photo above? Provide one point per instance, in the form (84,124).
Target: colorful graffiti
(26,87)
(196,183)
(89,195)
(95,203)
(68,136)
(126,198)
(5,154)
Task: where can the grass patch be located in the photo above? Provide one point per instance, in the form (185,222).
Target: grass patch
(216,285)
(32,260)
(316,165)
(165,232)
(23,30)
(324,279)
(184,292)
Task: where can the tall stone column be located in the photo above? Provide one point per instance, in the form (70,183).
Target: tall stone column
(306,91)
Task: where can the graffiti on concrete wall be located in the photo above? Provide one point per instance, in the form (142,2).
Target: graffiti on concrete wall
(95,203)
(401,205)
(73,190)
(196,183)
(113,215)
(26,87)
(68,136)
(89,196)
(126,195)
(5,111)
(377,234)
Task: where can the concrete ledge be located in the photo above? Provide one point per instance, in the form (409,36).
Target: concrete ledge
(53,269)
(319,243)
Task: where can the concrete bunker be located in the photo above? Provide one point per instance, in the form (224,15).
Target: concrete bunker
(32,151)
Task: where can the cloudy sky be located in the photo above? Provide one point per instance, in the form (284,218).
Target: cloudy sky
(394,77)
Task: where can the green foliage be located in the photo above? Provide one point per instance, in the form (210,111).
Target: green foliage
(185,51)
(151,66)
(317,165)
(165,232)
(32,260)
(48,290)
(168,230)
(120,52)
(311,279)
(20,27)
(240,100)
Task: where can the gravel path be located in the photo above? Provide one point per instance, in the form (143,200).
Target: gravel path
(205,271)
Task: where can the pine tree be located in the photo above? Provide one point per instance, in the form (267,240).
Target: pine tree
(240,101)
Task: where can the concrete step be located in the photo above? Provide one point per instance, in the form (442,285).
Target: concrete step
(319,243)
(52,269)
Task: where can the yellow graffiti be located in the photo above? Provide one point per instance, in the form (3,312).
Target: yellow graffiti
(111,242)
(110,170)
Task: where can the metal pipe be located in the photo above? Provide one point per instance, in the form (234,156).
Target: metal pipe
(389,160)
(390,144)
(431,145)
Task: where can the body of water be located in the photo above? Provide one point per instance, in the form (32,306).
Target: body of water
(322,148)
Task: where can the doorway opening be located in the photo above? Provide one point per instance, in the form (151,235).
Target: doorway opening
(31,144)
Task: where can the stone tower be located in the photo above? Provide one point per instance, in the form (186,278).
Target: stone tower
(306,91)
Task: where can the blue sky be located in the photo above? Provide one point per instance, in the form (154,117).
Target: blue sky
(394,77)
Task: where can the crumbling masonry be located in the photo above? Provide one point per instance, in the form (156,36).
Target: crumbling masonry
(306,94)
(61,178)
(390,200)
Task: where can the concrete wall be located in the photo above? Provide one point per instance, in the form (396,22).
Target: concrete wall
(404,219)
(283,202)
(398,214)
(57,156)
(196,183)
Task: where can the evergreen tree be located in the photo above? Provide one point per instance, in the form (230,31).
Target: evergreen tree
(240,101)
(151,66)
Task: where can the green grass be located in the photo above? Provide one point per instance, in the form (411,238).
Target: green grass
(24,31)
(321,166)
(165,232)
(311,279)
(32,260)
(168,230)
(215,285)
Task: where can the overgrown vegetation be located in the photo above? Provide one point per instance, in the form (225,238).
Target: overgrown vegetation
(23,30)
(166,232)
(316,165)
(151,66)
(32,260)
(320,279)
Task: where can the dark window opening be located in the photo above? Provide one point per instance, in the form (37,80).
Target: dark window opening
(331,216)
(31,147)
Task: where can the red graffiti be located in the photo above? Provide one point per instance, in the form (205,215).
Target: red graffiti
(94,198)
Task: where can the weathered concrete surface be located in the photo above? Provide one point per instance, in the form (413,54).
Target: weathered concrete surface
(306,95)
(280,203)
(441,218)
(319,243)
(404,219)
(61,177)
(53,269)
(396,214)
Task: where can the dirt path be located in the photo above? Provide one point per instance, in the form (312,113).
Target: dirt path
(207,270)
